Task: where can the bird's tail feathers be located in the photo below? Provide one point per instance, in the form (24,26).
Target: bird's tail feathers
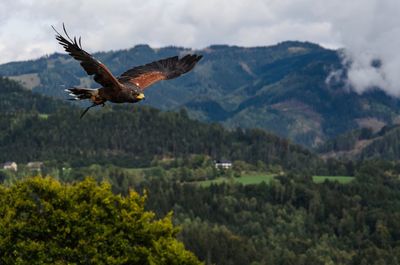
(82,93)
(86,93)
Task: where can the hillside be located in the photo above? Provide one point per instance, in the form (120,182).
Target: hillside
(131,137)
(281,88)
(14,99)
(364,144)
(290,220)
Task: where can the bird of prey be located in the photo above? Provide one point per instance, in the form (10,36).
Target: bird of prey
(130,85)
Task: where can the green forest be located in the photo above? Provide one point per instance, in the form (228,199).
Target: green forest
(134,137)
(125,185)
(291,220)
(45,222)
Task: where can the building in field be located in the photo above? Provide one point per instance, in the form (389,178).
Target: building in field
(223,164)
(10,166)
(35,166)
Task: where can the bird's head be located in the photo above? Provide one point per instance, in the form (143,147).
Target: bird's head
(140,96)
(137,96)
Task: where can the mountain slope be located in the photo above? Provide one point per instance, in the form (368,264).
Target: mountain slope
(15,99)
(364,144)
(132,138)
(281,88)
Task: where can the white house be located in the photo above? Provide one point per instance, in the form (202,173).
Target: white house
(10,166)
(35,166)
(223,164)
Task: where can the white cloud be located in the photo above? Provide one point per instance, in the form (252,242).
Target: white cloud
(106,25)
(368,29)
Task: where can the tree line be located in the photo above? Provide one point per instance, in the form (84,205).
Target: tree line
(36,128)
(289,221)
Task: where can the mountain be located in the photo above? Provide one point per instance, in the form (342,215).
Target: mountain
(288,88)
(15,99)
(50,130)
(364,144)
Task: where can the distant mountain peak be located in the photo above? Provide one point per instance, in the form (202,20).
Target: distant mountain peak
(237,86)
(302,44)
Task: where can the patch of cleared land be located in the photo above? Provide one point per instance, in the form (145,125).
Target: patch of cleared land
(340,179)
(267,178)
(29,81)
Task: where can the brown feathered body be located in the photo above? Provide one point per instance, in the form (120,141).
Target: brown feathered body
(129,86)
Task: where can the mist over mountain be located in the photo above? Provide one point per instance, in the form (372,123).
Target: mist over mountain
(294,89)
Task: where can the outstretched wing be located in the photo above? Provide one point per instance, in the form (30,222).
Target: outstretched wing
(102,75)
(148,74)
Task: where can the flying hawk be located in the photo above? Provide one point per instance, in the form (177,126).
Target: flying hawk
(130,85)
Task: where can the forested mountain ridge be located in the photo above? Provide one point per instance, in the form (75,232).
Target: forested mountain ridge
(291,220)
(286,88)
(130,136)
(364,144)
(15,99)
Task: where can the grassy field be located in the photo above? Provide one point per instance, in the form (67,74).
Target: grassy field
(134,171)
(245,180)
(43,116)
(340,179)
(258,178)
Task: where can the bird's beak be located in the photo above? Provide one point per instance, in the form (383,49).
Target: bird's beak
(140,96)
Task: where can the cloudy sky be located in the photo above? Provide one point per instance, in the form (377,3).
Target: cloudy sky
(367,29)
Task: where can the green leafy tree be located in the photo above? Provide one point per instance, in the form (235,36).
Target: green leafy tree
(45,222)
